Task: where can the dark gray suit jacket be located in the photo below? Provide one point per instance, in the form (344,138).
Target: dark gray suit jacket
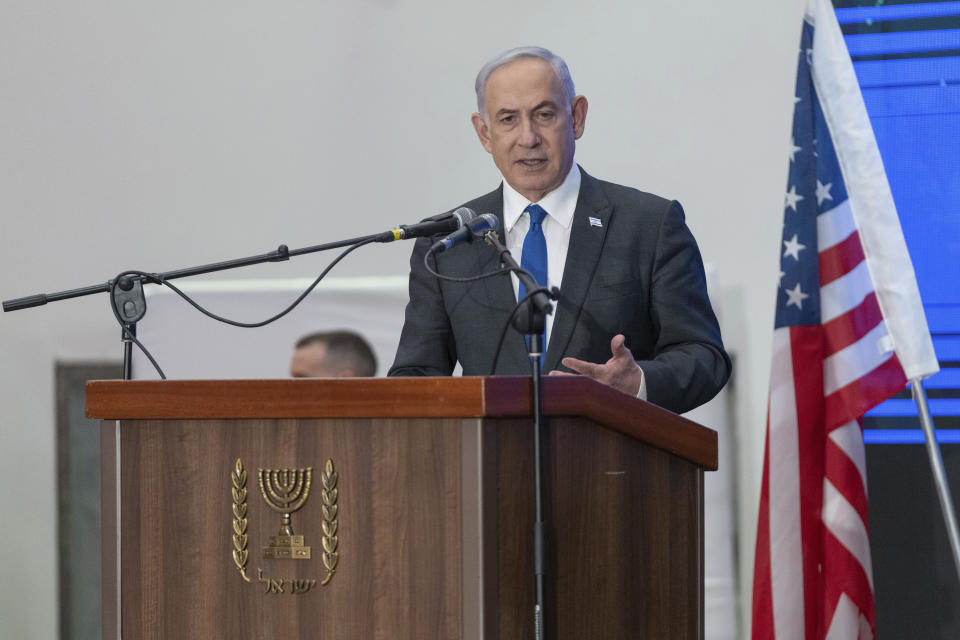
(639,273)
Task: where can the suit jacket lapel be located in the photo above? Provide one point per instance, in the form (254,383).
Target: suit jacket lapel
(583,253)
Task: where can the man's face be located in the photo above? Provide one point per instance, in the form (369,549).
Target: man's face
(530,127)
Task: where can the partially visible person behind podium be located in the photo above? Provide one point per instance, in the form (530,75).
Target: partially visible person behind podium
(633,311)
(333,354)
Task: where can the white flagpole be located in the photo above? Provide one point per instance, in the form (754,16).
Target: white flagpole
(939,473)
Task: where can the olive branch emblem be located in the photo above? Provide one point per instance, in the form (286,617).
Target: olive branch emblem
(240,553)
(329,494)
(294,497)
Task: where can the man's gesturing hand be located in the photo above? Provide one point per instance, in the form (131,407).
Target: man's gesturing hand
(620,371)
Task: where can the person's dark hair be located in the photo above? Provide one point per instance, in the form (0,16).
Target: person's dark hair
(345,349)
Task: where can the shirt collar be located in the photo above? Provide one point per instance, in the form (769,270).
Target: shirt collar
(559,203)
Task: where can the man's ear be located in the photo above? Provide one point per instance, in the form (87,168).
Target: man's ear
(579,110)
(483,131)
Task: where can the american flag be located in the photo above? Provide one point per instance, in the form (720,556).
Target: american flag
(849,333)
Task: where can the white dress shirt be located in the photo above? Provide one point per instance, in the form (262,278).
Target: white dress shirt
(559,205)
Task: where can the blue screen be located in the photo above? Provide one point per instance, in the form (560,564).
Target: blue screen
(907,59)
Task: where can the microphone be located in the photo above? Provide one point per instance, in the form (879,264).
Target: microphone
(444,223)
(478,226)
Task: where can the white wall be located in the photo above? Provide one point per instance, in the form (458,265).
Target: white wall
(162,135)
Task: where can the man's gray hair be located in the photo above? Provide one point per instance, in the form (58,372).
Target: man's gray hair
(559,67)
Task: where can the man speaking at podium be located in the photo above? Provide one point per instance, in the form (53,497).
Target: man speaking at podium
(633,310)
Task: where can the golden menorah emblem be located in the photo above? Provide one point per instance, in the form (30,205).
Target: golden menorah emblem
(286,491)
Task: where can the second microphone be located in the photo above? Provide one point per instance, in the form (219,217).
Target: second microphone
(476,227)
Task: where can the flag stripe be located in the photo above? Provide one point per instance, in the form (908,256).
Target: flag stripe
(849,439)
(786,558)
(835,225)
(851,326)
(855,360)
(847,622)
(842,520)
(840,259)
(845,574)
(807,369)
(855,399)
(843,294)
(840,471)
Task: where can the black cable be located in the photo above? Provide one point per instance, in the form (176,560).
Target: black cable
(552,294)
(254,325)
(158,279)
(496,272)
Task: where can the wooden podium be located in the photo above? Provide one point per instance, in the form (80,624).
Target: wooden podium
(417,516)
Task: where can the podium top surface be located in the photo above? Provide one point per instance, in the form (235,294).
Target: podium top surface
(442,397)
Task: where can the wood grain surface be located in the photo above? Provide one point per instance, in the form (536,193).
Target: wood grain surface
(623,539)
(399,530)
(402,398)
(435,513)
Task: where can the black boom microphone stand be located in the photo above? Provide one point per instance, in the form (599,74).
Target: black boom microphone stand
(530,320)
(126,290)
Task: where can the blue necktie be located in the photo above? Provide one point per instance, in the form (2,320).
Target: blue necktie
(534,256)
